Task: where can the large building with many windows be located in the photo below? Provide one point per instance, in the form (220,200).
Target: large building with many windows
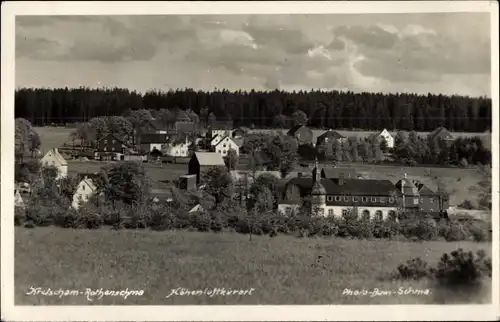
(366,197)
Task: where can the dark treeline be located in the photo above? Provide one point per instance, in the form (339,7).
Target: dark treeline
(338,110)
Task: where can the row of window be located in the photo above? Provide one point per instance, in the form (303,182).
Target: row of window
(106,149)
(363,199)
(365,214)
(106,141)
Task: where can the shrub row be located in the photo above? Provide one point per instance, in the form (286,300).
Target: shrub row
(168,218)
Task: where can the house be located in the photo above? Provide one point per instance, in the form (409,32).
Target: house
(222,128)
(186,127)
(187,182)
(177,147)
(215,140)
(54,158)
(18,200)
(227,144)
(204,160)
(329,137)
(197,208)
(441,133)
(338,197)
(153,141)
(86,189)
(383,135)
(302,134)
(417,196)
(111,147)
(240,132)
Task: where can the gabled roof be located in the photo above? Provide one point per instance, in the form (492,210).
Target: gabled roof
(296,128)
(441,132)
(331,135)
(196,208)
(153,138)
(377,134)
(90,183)
(185,126)
(111,135)
(209,159)
(56,156)
(349,187)
(215,137)
(243,129)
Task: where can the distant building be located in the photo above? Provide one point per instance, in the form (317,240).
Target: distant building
(335,173)
(187,182)
(18,200)
(223,128)
(85,190)
(185,127)
(177,147)
(153,141)
(111,147)
(383,135)
(441,133)
(417,196)
(215,140)
(204,160)
(197,208)
(54,158)
(240,132)
(302,134)
(329,137)
(227,144)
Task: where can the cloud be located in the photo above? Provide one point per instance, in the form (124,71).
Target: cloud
(356,52)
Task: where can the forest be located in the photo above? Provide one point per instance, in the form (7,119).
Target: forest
(261,109)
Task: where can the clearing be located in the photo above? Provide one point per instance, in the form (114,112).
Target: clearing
(282,270)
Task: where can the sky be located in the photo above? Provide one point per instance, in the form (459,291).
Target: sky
(447,53)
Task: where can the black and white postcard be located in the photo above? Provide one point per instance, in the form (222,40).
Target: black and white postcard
(246,161)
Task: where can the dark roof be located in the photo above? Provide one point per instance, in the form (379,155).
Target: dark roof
(94,176)
(425,191)
(153,138)
(296,128)
(331,135)
(222,125)
(243,129)
(332,173)
(359,187)
(182,126)
(111,135)
(441,132)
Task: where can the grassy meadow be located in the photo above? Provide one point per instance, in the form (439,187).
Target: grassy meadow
(282,270)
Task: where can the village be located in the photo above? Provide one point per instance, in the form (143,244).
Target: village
(325,188)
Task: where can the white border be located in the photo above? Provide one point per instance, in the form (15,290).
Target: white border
(224,313)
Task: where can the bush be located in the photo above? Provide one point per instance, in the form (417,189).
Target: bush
(460,268)
(468,204)
(455,232)
(19,216)
(89,217)
(479,232)
(414,269)
(68,219)
(41,216)
(420,229)
(200,220)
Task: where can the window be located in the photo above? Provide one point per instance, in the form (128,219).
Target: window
(373,199)
(114,141)
(355,199)
(383,199)
(112,149)
(346,198)
(330,212)
(391,200)
(431,200)
(379,215)
(224,146)
(392,215)
(421,200)
(329,198)
(364,199)
(104,149)
(105,141)
(83,187)
(366,215)
(337,198)
(345,212)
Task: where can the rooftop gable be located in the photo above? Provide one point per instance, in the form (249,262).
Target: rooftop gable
(209,159)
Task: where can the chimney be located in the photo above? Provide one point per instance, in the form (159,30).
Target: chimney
(56,150)
(341,179)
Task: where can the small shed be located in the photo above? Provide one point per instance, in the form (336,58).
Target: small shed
(187,182)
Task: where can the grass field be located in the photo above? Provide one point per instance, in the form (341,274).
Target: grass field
(282,270)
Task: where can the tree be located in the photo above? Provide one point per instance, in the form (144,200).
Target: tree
(34,142)
(126,182)
(119,126)
(299,117)
(211,119)
(263,181)
(217,181)
(265,200)
(281,154)
(281,121)
(231,159)
(383,145)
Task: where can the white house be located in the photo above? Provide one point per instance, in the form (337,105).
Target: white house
(220,132)
(54,158)
(86,188)
(384,135)
(177,149)
(215,140)
(226,144)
